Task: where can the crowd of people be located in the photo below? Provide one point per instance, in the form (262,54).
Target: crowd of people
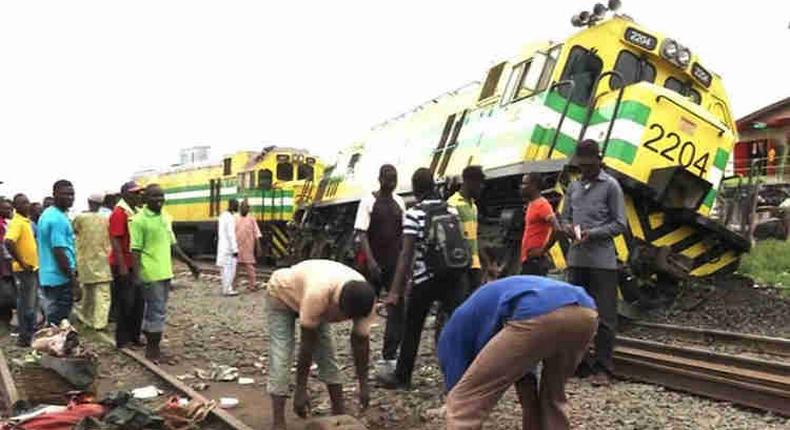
(529,331)
(114,261)
(495,333)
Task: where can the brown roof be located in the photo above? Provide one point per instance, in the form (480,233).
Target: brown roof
(761,113)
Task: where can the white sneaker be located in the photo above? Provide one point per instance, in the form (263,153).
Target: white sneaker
(386,366)
(231,293)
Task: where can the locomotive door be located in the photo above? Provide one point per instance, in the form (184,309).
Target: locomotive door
(447,143)
(215,186)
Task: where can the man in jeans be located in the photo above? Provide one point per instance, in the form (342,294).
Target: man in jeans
(427,287)
(57,257)
(378,225)
(21,244)
(593,214)
(317,292)
(153,243)
(127,293)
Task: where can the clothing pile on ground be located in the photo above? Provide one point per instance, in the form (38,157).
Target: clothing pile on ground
(62,352)
(116,410)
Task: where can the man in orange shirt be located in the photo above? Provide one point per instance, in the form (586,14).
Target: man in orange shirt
(539,224)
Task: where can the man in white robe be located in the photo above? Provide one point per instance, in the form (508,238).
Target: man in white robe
(227,248)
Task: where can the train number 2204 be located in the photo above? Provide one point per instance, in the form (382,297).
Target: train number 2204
(677,151)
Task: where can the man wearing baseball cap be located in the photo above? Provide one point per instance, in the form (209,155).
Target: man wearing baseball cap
(93,242)
(593,214)
(127,293)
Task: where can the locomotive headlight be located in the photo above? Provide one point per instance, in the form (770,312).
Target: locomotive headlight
(670,49)
(683,57)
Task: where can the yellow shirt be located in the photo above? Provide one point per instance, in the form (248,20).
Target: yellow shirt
(20,231)
(467,212)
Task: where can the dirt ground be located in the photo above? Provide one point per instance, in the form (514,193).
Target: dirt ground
(204,328)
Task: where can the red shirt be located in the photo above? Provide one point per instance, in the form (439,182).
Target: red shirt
(537,225)
(119,228)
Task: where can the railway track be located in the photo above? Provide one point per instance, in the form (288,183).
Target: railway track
(218,419)
(776,346)
(751,382)
(210,268)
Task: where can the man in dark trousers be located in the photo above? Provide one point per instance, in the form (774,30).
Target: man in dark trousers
(378,226)
(593,214)
(127,293)
(427,287)
(539,227)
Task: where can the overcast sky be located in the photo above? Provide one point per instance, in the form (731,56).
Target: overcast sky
(95,90)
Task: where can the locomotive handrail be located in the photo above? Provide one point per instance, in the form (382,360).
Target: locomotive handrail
(564,111)
(593,100)
(716,126)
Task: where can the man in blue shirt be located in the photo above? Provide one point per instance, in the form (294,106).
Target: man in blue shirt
(495,339)
(55,238)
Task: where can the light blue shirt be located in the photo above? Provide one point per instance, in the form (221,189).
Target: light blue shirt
(54,231)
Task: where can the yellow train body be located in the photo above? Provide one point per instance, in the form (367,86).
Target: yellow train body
(276,182)
(663,121)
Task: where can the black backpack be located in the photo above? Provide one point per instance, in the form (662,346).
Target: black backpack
(446,248)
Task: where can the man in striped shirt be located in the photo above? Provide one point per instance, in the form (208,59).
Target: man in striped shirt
(427,286)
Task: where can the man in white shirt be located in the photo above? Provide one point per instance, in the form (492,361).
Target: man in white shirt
(227,248)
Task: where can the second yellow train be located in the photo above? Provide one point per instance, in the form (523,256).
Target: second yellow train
(277,182)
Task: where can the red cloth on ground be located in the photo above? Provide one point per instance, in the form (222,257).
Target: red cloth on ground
(65,420)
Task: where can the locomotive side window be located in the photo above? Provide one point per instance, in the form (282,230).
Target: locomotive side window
(514,79)
(226,167)
(489,87)
(304,171)
(583,67)
(674,84)
(531,76)
(285,171)
(548,68)
(633,69)
(265,179)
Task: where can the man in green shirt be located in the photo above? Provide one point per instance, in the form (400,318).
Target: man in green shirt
(153,244)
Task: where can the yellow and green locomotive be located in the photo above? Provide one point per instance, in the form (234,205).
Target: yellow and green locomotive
(661,117)
(276,182)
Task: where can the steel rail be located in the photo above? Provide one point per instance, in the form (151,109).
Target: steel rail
(10,393)
(218,413)
(756,343)
(759,384)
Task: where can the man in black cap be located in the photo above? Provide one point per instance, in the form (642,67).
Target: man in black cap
(593,214)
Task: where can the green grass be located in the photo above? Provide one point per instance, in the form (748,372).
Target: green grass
(769,263)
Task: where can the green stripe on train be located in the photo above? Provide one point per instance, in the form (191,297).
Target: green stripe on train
(710,198)
(720,161)
(617,148)
(629,109)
